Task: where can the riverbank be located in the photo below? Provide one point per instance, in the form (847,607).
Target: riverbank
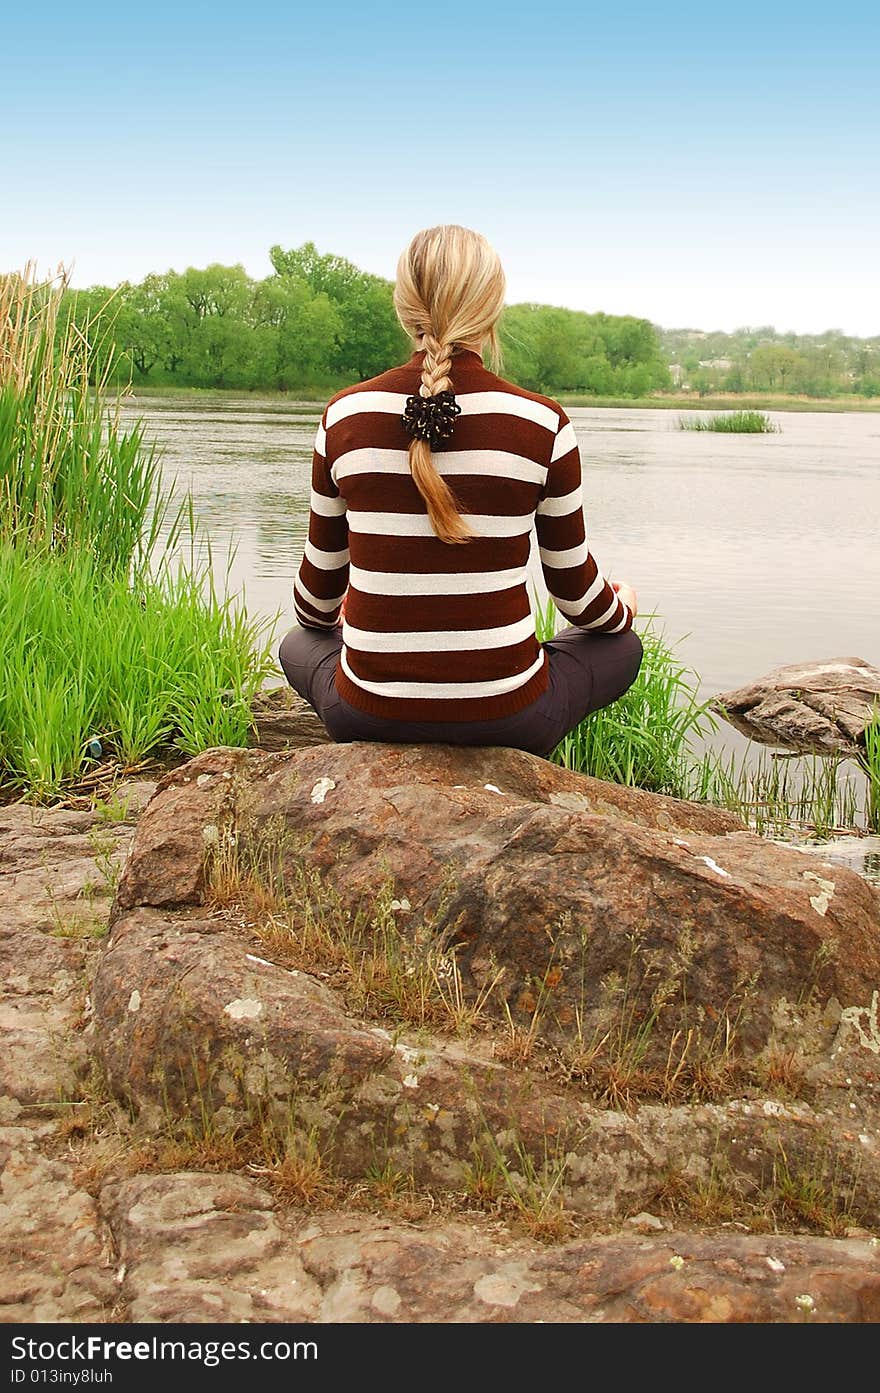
(315,395)
(721,401)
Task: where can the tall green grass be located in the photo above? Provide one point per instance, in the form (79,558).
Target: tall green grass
(737,422)
(110,645)
(870,762)
(71,478)
(137,665)
(643,739)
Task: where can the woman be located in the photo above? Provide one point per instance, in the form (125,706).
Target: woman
(412,596)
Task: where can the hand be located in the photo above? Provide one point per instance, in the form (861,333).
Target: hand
(627,594)
(341,618)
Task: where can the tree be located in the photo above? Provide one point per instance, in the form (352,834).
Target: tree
(782,368)
(307,329)
(556,350)
(370,338)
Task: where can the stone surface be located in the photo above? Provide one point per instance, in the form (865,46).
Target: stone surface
(197,1247)
(55,1251)
(194,1246)
(820,707)
(561,888)
(58,869)
(387,1272)
(283,720)
(190,1022)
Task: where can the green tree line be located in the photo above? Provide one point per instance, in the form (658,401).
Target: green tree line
(318,321)
(761,360)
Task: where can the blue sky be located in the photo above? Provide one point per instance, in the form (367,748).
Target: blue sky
(699,165)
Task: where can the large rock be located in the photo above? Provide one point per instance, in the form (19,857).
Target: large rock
(201,1030)
(819,707)
(601,911)
(583,899)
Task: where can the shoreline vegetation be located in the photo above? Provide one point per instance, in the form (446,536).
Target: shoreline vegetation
(316,397)
(320,322)
(645,740)
(118,652)
(112,644)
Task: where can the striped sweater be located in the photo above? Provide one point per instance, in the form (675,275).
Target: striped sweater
(434,631)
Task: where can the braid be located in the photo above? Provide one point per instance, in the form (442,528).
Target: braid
(448,294)
(443,510)
(437,367)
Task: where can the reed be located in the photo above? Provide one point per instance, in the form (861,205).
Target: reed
(71,478)
(736,422)
(780,795)
(111,646)
(870,762)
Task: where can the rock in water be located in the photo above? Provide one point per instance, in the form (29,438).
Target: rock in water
(816,708)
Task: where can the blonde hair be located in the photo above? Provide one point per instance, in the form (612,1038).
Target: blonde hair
(449,292)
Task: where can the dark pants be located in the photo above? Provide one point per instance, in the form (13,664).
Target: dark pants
(587,671)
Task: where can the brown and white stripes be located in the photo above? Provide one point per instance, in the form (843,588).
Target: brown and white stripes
(434,631)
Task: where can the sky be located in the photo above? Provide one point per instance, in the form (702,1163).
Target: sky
(707,166)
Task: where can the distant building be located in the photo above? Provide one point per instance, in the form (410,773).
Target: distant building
(721,364)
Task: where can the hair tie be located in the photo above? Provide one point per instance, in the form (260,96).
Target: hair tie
(431,418)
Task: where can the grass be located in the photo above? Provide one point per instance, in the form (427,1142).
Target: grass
(515,1183)
(734,422)
(812,1194)
(111,646)
(870,762)
(643,739)
(383,970)
(138,664)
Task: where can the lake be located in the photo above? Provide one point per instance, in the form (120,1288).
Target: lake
(755,550)
(752,550)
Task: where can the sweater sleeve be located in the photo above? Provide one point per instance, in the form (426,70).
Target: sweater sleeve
(322,578)
(573,578)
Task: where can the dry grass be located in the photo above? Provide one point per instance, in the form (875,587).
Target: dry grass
(382,967)
(391,967)
(781,1071)
(812,1195)
(512,1184)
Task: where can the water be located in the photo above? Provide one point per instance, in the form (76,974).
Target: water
(860,854)
(756,550)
